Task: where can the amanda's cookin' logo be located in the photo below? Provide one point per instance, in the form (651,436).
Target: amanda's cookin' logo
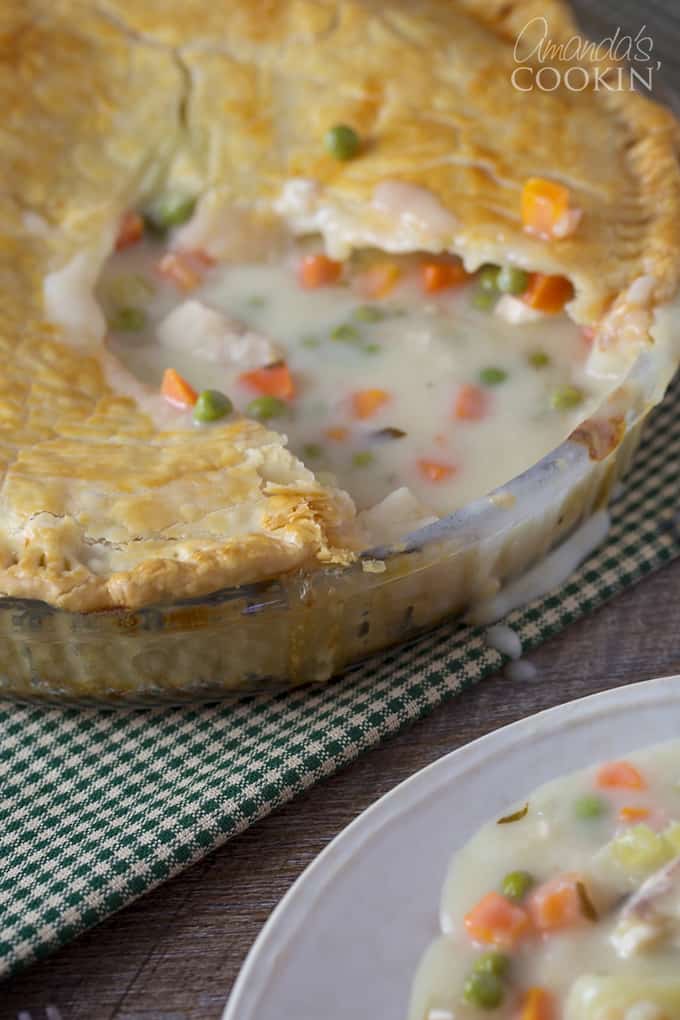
(618,63)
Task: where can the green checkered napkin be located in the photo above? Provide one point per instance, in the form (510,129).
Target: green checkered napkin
(97,807)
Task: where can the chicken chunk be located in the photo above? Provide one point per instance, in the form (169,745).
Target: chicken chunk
(652,914)
(214,336)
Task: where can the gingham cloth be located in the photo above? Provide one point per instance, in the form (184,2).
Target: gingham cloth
(98,807)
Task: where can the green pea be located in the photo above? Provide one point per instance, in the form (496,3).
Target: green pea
(589,806)
(371,348)
(169,210)
(257,301)
(129,289)
(516,885)
(492,962)
(511,280)
(128,320)
(492,375)
(539,359)
(311,451)
(485,991)
(211,406)
(342,142)
(369,313)
(566,397)
(345,333)
(484,299)
(266,407)
(311,342)
(487,278)
(362,458)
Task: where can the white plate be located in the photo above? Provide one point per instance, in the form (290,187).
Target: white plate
(345,940)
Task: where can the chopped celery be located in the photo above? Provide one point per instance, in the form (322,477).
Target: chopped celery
(639,850)
(672,834)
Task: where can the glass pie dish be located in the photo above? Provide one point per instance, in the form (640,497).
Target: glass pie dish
(306,627)
(92,518)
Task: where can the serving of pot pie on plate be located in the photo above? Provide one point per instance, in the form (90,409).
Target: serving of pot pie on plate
(315,329)
(566,906)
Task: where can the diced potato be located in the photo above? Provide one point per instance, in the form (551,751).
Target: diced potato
(611,998)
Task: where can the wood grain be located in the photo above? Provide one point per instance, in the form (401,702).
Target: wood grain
(174,955)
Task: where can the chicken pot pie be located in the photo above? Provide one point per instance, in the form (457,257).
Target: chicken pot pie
(568,906)
(258,254)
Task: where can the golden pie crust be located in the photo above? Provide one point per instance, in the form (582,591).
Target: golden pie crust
(105,103)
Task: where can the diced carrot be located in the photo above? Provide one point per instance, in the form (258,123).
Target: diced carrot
(538,1004)
(366,403)
(471,403)
(181,269)
(338,433)
(548,293)
(620,775)
(130,230)
(496,921)
(177,390)
(556,904)
(435,470)
(543,205)
(379,280)
(272,380)
(440,274)
(318,271)
(633,814)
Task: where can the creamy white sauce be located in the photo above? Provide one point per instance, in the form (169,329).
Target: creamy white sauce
(421,352)
(582,964)
(550,573)
(520,670)
(505,640)
(70,300)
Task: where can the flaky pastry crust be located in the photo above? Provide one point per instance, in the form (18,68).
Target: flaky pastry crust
(104,103)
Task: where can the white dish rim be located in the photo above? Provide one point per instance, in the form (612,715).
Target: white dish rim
(309,886)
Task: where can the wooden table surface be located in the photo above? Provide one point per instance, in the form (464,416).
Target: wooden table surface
(175,953)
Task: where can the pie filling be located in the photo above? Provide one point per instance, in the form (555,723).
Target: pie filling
(384,372)
(567,908)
